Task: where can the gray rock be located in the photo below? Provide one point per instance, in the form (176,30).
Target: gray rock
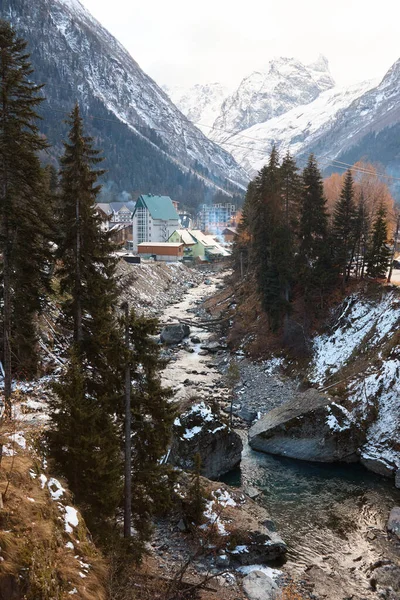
(393,524)
(258,586)
(309,427)
(202,432)
(182,526)
(379,466)
(260,547)
(195,339)
(174,333)
(252,492)
(223,561)
(213,347)
(397,479)
(387,577)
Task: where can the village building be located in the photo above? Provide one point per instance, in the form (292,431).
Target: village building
(229,234)
(161,251)
(154,219)
(215,217)
(198,245)
(115,212)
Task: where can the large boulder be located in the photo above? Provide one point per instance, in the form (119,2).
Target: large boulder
(393,524)
(174,333)
(397,479)
(258,547)
(259,586)
(200,431)
(310,427)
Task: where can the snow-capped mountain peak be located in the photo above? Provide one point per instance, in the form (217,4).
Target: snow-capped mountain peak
(201,103)
(284,84)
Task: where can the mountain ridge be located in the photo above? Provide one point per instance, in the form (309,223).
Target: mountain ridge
(149,145)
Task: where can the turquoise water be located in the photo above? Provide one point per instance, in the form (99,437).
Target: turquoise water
(318,509)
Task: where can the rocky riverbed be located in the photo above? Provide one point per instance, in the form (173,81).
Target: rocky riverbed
(333,517)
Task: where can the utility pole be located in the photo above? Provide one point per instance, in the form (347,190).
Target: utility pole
(394,249)
(128,446)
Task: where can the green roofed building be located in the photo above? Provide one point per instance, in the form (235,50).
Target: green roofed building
(154,219)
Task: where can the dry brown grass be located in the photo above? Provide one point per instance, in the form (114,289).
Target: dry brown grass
(291,592)
(36,564)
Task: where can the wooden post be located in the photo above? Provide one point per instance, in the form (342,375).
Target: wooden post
(128,446)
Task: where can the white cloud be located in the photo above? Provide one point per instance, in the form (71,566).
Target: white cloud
(181,42)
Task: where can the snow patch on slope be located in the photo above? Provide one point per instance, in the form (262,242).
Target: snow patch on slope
(360,318)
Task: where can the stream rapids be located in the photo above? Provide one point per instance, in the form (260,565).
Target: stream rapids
(332,517)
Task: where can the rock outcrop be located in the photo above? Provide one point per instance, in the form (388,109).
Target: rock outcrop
(201,431)
(393,524)
(259,586)
(174,333)
(310,427)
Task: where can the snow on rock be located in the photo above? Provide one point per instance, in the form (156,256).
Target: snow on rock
(71,518)
(333,422)
(55,488)
(18,438)
(201,431)
(224,498)
(380,392)
(189,433)
(273,573)
(273,365)
(213,517)
(365,327)
(359,318)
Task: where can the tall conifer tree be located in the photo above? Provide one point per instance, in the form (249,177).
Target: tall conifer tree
(314,264)
(344,226)
(152,417)
(22,232)
(87,399)
(378,253)
(268,218)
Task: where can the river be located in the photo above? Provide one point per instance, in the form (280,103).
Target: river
(331,516)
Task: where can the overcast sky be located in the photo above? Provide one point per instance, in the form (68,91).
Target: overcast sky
(181,42)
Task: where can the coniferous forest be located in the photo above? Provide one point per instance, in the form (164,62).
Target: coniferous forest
(299,247)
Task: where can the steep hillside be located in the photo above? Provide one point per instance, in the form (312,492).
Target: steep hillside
(358,359)
(148,143)
(45,548)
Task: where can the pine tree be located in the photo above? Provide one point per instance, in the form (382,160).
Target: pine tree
(291,192)
(22,235)
(362,227)
(152,417)
(268,218)
(84,442)
(379,252)
(242,246)
(344,227)
(94,378)
(314,260)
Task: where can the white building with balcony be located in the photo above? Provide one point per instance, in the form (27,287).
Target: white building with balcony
(154,219)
